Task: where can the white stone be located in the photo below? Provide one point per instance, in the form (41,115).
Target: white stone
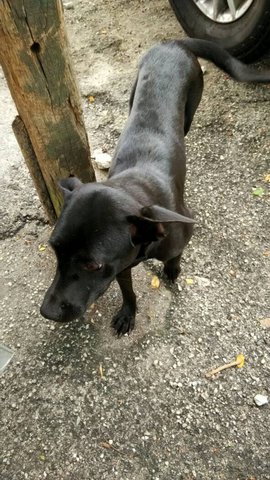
(260,400)
(202,281)
(102,160)
(68,5)
(204,69)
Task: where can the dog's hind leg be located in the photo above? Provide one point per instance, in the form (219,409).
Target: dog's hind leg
(124,321)
(172,268)
(193,100)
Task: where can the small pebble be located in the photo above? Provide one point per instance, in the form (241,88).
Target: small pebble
(260,400)
(204,69)
(68,5)
(102,160)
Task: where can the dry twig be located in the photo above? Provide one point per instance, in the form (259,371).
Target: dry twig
(238,362)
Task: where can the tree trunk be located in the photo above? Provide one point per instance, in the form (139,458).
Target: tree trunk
(36,63)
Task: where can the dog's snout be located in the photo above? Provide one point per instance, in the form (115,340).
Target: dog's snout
(50,313)
(62,311)
(50,310)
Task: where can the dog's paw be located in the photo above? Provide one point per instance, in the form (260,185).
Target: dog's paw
(123,322)
(171,272)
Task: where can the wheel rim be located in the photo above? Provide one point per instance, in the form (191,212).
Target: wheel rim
(224,11)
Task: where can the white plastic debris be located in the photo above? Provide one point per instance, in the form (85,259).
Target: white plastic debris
(102,160)
(260,400)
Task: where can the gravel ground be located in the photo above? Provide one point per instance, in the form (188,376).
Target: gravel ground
(78,403)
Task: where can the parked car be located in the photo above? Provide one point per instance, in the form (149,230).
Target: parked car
(240,26)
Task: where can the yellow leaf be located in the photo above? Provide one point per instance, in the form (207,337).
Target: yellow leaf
(91,99)
(101,371)
(189,281)
(241,360)
(42,247)
(155,282)
(266,253)
(267,178)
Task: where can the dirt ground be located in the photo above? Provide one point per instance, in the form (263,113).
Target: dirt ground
(76,402)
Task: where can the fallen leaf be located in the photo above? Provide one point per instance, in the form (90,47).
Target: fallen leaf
(42,247)
(106,445)
(241,359)
(258,191)
(101,371)
(155,283)
(91,99)
(265,322)
(189,281)
(267,178)
(266,253)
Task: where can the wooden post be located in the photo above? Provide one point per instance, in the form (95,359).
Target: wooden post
(33,167)
(36,63)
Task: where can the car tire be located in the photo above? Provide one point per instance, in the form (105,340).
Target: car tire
(246,38)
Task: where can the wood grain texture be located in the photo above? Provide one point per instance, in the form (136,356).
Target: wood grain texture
(36,62)
(30,158)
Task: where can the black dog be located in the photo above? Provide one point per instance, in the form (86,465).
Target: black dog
(107,228)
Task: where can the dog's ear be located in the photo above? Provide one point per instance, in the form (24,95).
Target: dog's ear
(155,213)
(149,225)
(144,230)
(69,184)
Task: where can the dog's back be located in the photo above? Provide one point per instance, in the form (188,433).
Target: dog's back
(163,101)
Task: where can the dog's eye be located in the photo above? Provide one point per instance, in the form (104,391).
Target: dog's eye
(91,266)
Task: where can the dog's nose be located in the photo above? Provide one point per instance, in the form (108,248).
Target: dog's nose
(65,306)
(69,311)
(60,312)
(50,312)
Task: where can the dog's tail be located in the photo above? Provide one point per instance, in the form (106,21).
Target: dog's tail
(226,62)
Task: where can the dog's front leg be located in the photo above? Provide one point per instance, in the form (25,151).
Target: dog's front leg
(172,268)
(124,321)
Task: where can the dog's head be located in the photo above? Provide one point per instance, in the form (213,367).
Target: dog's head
(99,234)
